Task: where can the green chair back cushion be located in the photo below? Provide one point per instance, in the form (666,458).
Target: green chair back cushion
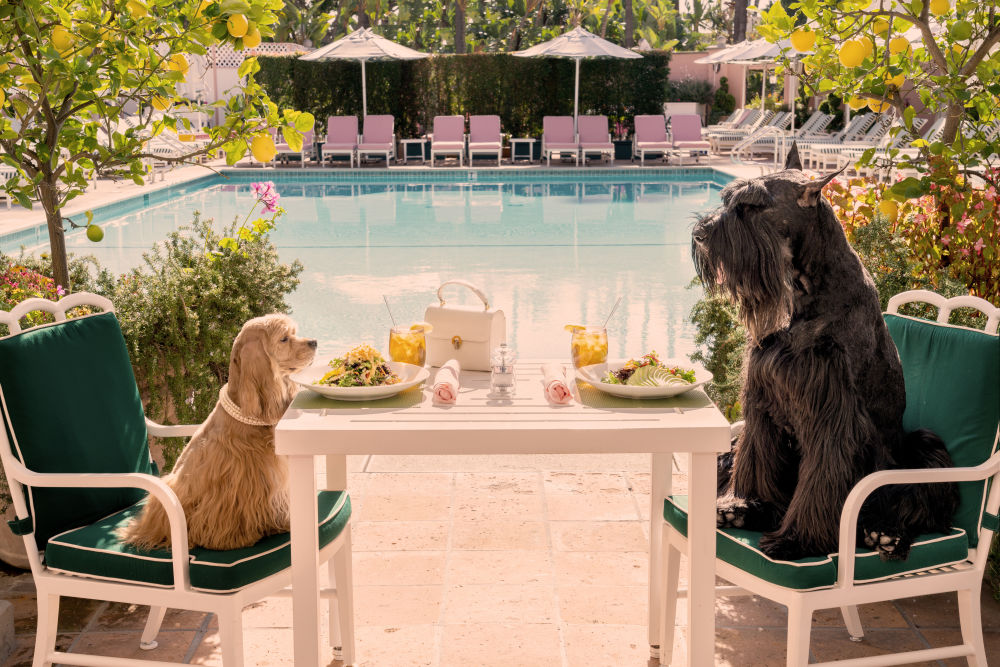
(71,405)
(98,551)
(741,548)
(952,377)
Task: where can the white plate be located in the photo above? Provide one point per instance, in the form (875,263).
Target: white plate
(409,376)
(593,375)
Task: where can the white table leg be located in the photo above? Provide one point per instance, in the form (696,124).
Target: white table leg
(701,559)
(662,477)
(305,560)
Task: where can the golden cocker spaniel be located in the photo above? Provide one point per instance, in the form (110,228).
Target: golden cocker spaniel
(231,484)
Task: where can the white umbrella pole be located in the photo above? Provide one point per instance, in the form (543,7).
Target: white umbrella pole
(576,94)
(763,87)
(364,92)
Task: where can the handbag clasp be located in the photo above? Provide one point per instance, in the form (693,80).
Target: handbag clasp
(456,341)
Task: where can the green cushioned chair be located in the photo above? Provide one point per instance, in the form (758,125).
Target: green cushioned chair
(75,452)
(952,378)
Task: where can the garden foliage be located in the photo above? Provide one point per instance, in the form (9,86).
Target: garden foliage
(520,90)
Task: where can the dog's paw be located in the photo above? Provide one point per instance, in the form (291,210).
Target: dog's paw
(886,545)
(731,514)
(779,547)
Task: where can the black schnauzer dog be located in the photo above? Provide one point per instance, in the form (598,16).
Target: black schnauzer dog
(823,394)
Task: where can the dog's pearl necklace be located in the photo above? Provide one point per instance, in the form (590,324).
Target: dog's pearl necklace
(234,411)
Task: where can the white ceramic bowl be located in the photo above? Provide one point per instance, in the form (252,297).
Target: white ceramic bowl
(409,376)
(594,374)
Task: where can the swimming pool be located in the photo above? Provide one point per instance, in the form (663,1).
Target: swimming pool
(549,248)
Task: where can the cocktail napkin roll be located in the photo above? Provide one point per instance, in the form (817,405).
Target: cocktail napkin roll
(446,383)
(554,380)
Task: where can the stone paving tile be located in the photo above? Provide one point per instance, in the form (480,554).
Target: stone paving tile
(564,482)
(601,568)
(499,567)
(490,507)
(830,644)
(603,605)
(398,568)
(591,507)
(119,616)
(401,507)
(478,483)
(598,536)
(501,534)
(605,645)
(400,646)
(991,638)
(501,645)
(399,535)
(172,645)
(409,484)
(878,615)
(24,650)
(397,605)
(493,603)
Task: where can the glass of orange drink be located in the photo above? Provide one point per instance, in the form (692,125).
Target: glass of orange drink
(588,345)
(408,345)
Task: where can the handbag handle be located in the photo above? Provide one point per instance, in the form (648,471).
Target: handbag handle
(475,290)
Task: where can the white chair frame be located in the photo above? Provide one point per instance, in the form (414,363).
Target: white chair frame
(50,586)
(965,578)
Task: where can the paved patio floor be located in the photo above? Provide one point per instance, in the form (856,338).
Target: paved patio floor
(500,560)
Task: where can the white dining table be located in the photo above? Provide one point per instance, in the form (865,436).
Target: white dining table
(527,423)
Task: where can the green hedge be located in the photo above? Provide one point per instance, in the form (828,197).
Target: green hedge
(520,90)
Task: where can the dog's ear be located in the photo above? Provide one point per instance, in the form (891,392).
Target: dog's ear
(811,194)
(252,375)
(792,160)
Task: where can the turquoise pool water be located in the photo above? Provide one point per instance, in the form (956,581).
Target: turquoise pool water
(555,249)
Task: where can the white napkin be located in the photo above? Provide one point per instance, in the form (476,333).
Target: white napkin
(446,383)
(554,380)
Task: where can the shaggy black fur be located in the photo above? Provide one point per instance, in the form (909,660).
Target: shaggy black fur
(823,392)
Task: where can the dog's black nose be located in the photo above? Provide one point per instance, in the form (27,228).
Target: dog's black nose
(312,344)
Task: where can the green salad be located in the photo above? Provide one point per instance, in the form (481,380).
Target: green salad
(648,371)
(363,366)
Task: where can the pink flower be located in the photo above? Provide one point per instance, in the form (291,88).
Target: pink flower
(965,252)
(961,225)
(979,246)
(945,240)
(919,218)
(978,206)
(60,291)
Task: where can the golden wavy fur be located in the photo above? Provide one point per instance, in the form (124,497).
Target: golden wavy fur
(231,484)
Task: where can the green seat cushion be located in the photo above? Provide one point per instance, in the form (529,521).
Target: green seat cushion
(741,548)
(71,405)
(97,551)
(952,377)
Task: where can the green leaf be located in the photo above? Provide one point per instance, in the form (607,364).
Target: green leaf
(246,67)
(910,188)
(90,216)
(293,137)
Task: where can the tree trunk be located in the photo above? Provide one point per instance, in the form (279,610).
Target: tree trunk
(629,23)
(363,14)
(57,237)
(459,26)
(604,21)
(739,21)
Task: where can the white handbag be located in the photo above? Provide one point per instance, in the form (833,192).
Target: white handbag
(466,333)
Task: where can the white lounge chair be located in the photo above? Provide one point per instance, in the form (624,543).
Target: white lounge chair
(594,137)
(485,137)
(558,138)
(448,137)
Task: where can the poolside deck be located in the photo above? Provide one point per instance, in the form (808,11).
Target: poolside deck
(501,560)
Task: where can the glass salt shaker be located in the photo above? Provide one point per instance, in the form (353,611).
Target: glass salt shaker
(502,371)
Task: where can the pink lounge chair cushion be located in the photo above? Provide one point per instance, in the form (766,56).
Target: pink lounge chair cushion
(685,128)
(597,146)
(341,130)
(650,129)
(448,130)
(339,147)
(485,145)
(447,145)
(558,130)
(484,130)
(378,130)
(375,148)
(653,145)
(593,131)
(560,147)
(692,145)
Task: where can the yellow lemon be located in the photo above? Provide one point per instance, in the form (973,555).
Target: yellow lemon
(136,9)
(878,106)
(61,39)
(237,25)
(940,7)
(857,103)
(573,328)
(895,80)
(178,63)
(95,233)
(426,327)
(958,50)
(898,45)
(852,53)
(889,209)
(262,148)
(252,38)
(880,26)
(803,40)
(160,103)
(3,98)
(868,44)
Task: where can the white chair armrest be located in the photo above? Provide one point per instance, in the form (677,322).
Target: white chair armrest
(154,485)
(171,430)
(864,488)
